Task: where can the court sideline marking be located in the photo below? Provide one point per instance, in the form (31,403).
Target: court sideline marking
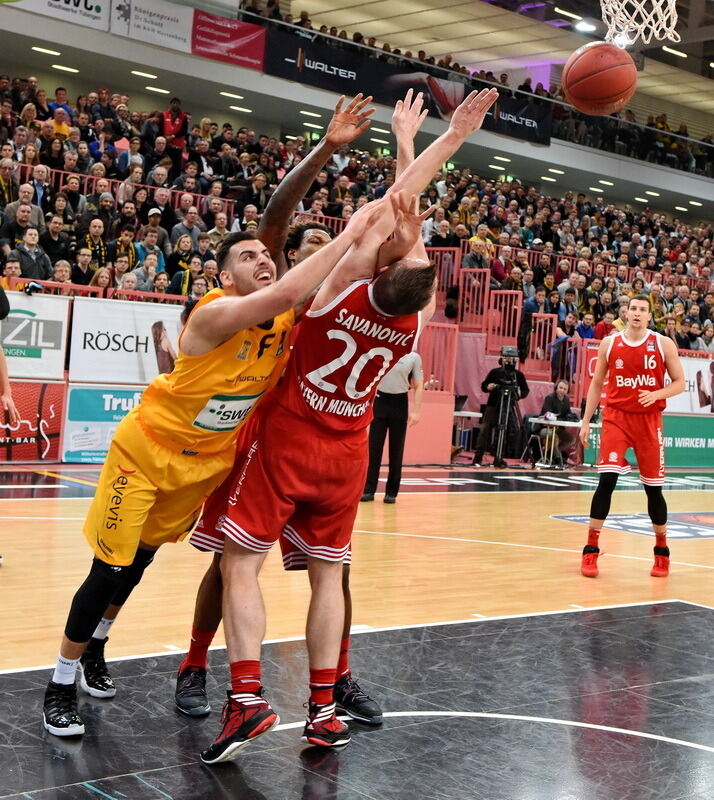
(356,630)
(526,546)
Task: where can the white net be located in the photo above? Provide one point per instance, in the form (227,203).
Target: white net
(630,20)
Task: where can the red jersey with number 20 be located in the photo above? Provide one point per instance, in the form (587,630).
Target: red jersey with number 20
(341,353)
(632,368)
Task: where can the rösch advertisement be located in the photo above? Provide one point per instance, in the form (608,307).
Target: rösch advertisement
(122,341)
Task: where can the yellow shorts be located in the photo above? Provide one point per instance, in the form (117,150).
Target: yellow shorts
(148,493)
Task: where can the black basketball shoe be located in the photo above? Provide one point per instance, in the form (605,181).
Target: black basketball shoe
(94,677)
(59,713)
(350,698)
(191,696)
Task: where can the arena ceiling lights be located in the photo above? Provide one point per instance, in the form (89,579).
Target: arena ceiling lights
(642,199)
(62,68)
(232,96)
(556,171)
(46,51)
(547,178)
(501,158)
(157,90)
(141,74)
(651,193)
(694,203)
(311,114)
(606,183)
(241,108)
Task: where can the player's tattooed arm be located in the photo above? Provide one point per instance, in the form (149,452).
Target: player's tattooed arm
(346,125)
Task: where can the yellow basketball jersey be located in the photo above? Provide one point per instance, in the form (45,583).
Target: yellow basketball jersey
(201,404)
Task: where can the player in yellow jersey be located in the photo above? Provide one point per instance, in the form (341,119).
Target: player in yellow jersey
(178,444)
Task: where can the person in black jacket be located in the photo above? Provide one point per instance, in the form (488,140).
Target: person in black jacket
(500,382)
(557,403)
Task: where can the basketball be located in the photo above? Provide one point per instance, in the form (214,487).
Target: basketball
(599,78)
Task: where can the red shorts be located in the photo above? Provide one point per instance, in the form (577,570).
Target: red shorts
(292,483)
(643,433)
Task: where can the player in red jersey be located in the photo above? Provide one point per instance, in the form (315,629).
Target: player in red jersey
(294,244)
(309,459)
(630,377)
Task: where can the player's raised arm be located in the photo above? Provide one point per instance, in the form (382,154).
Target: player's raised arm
(346,125)
(467,118)
(595,391)
(248,261)
(675,372)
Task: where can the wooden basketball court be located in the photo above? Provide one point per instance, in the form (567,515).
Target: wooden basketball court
(461,550)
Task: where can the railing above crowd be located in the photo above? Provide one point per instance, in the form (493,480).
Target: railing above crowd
(534,114)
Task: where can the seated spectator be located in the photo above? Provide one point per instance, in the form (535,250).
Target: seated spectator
(210,273)
(12,269)
(120,268)
(124,245)
(558,405)
(514,280)
(25,194)
(707,339)
(199,287)
(182,282)
(179,259)
(149,245)
(34,262)
(477,258)
(249,215)
(102,278)
(148,272)
(61,273)
(161,283)
(127,285)
(162,236)
(55,242)
(695,334)
(204,248)
(82,271)
(218,233)
(585,329)
(188,226)
(606,325)
(9,190)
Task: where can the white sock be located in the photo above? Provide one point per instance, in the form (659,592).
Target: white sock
(65,670)
(102,630)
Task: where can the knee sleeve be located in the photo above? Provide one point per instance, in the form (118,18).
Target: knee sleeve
(135,570)
(92,598)
(600,506)
(656,505)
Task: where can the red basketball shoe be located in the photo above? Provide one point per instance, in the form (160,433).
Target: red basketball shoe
(323,728)
(588,565)
(245,717)
(661,563)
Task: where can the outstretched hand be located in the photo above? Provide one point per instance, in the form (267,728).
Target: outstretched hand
(408,115)
(346,125)
(469,116)
(383,211)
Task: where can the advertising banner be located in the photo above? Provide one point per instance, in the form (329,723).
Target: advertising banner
(688,440)
(229,40)
(121,341)
(698,396)
(89,13)
(155,21)
(93,413)
(34,335)
(347,70)
(36,437)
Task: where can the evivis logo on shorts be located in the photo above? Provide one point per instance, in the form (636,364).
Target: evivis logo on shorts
(225,412)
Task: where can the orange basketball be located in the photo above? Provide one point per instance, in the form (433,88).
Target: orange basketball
(599,78)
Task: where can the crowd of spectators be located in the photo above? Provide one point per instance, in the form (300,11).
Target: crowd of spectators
(654,140)
(95,193)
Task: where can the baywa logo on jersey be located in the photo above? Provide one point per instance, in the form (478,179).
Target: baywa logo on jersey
(619,364)
(651,347)
(612,457)
(681,525)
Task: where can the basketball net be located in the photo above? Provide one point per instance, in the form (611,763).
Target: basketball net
(630,20)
